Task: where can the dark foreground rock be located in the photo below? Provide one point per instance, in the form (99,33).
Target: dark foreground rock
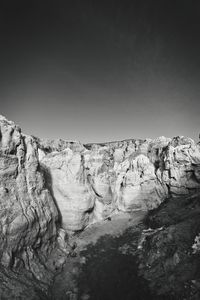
(106,266)
(170,253)
(156,257)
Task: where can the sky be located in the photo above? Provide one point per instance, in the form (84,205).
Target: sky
(98,71)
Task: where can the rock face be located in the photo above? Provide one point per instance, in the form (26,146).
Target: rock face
(82,184)
(28,214)
(49,185)
(93,182)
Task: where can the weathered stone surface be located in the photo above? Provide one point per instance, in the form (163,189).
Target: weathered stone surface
(91,183)
(28,214)
(182,161)
(49,187)
(169,257)
(65,175)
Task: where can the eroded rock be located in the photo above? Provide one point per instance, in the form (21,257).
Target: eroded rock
(28,214)
(101,179)
(52,189)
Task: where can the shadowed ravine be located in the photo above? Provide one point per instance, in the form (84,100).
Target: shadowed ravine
(105,268)
(111,269)
(125,257)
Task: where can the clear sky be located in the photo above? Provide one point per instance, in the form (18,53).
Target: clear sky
(101,70)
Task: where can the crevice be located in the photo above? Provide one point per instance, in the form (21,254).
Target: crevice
(48,185)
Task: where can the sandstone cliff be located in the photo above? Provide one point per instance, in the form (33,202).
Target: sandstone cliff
(80,184)
(47,186)
(28,216)
(92,182)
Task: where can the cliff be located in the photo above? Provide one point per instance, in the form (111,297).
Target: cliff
(52,187)
(28,217)
(92,182)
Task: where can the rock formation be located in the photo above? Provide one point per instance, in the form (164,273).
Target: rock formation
(47,186)
(87,183)
(92,182)
(28,214)
(169,252)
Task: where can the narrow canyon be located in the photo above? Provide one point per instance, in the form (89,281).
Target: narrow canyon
(115,220)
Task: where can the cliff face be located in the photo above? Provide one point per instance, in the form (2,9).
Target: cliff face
(28,214)
(82,184)
(93,182)
(47,185)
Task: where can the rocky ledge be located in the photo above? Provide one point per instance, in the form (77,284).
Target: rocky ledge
(53,189)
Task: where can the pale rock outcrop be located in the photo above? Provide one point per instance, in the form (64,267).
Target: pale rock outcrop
(46,181)
(181,165)
(140,188)
(92,183)
(28,214)
(66,177)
